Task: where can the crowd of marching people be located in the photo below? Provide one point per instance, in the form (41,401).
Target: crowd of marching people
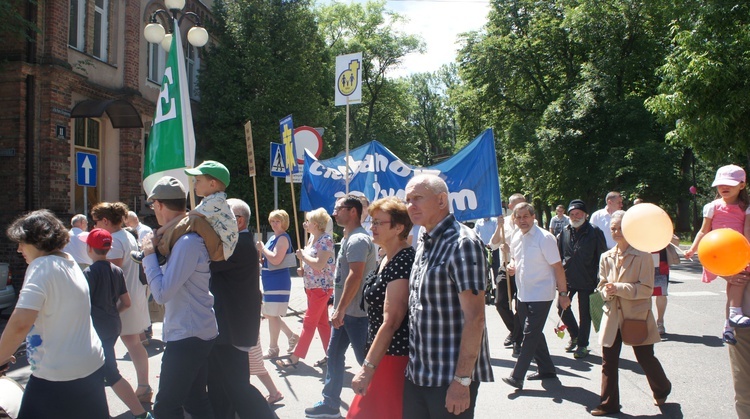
(406,290)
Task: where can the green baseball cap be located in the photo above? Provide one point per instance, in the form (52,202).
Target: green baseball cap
(211,168)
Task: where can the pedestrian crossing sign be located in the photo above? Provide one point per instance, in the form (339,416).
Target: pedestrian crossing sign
(278,159)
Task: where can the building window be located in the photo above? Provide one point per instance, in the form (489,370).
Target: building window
(101,29)
(77,24)
(156,60)
(87,139)
(192,64)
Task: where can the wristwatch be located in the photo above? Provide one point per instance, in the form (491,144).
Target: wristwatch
(464,381)
(369,364)
(563,293)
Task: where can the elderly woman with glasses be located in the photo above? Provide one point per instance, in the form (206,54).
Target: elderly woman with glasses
(626,282)
(317,269)
(53,313)
(379,384)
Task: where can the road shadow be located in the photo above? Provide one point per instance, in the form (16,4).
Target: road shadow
(707,340)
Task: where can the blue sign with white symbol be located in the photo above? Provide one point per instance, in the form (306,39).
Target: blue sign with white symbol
(278,160)
(86,169)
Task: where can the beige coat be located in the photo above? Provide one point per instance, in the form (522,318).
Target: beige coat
(635,284)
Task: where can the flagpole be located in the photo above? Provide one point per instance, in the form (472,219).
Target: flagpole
(294,206)
(257,214)
(251,171)
(346,162)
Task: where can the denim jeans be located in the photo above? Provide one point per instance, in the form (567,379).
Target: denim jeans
(183,380)
(354,332)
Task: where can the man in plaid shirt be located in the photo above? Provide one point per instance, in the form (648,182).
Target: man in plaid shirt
(448,350)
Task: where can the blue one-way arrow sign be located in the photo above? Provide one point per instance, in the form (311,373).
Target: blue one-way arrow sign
(86,169)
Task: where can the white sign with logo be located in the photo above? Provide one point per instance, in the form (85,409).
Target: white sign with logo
(349,79)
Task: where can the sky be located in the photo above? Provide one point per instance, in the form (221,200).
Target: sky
(438,22)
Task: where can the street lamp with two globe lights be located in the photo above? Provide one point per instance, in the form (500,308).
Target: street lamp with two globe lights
(155,32)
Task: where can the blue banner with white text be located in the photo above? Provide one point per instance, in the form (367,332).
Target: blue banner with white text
(471,176)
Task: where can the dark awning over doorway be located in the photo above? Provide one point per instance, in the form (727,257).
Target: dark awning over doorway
(120,112)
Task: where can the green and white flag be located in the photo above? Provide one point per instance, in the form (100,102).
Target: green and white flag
(171,141)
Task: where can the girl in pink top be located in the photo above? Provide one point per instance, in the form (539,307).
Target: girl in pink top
(729,210)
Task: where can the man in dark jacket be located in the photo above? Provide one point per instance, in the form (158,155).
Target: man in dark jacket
(581,244)
(237,298)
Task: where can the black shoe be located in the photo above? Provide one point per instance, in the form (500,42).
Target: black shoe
(516,350)
(541,376)
(137,256)
(508,342)
(572,344)
(513,382)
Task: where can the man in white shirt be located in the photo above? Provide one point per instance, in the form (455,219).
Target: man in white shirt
(536,264)
(77,248)
(141,229)
(603,217)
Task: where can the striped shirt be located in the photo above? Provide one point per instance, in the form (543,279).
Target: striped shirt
(449,260)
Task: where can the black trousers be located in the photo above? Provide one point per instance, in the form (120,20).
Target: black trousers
(534,315)
(503,305)
(579,330)
(429,402)
(229,387)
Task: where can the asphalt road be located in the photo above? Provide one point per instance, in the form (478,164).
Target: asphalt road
(691,352)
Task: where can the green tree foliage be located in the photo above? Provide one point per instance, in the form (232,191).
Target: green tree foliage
(15,26)
(563,82)
(269,61)
(370,28)
(705,87)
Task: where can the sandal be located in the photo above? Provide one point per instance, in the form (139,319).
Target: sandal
(145,397)
(322,363)
(273,399)
(293,340)
(272,353)
(728,338)
(286,364)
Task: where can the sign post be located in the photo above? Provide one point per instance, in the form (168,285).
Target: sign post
(348,92)
(251,170)
(286,129)
(86,174)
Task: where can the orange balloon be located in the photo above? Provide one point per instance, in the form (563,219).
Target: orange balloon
(724,252)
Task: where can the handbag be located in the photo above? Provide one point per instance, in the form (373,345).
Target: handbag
(290,261)
(673,258)
(633,332)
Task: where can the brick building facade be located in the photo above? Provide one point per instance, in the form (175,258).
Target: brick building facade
(86,82)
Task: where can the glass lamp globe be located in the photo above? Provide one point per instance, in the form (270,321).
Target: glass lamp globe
(154,33)
(174,4)
(166,43)
(197,36)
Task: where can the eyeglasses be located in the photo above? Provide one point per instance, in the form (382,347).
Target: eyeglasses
(343,206)
(377,223)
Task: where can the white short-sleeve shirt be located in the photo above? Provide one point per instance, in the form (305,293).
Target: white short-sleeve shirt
(62,345)
(534,254)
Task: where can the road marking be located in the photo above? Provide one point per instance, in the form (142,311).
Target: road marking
(684,276)
(692,294)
